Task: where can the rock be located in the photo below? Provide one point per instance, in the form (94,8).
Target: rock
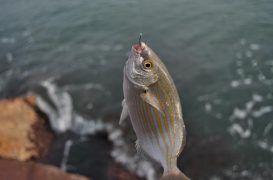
(24,132)
(16,170)
(88,155)
(117,172)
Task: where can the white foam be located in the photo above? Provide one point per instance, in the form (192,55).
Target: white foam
(264,145)
(247,115)
(240,173)
(67,148)
(262,111)
(234,83)
(121,152)
(247,81)
(249,105)
(257,98)
(84,127)
(261,77)
(245,173)
(63,118)
(237,129)
(243,113)
(267,128)
(8,40)
(239,114)
(208,107)
(237,83)
(254,47)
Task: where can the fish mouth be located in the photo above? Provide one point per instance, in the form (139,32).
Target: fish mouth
(141,50)
(139,47)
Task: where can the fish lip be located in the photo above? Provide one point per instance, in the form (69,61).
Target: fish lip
(138,48)
(135,57)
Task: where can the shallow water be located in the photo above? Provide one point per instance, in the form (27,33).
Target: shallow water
(71,53)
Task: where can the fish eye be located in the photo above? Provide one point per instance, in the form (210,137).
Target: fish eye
(147,64)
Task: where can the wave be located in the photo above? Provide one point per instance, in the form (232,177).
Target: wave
(62,118)
(8,40)
(248,115)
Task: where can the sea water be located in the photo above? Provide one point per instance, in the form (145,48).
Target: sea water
(71,54)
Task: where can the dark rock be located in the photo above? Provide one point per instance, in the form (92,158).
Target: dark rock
(16,170)
(117,172)
(89,156)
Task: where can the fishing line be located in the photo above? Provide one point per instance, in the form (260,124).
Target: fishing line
(140,15)
(139,40)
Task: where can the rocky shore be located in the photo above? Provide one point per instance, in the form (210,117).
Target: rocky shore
(27,143)
(24,133)
(24,139)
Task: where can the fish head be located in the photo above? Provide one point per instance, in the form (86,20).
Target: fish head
(142,66)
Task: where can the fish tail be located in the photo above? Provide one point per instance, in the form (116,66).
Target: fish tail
(174,174)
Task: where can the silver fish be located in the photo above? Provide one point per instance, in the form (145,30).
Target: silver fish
(153,105)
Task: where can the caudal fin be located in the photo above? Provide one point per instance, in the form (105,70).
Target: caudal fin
(174,175)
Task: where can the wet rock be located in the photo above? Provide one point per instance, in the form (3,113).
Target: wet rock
(16,170)
(88,155)
(23,131)
(117,172)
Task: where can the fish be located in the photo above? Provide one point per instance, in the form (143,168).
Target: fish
(152,104)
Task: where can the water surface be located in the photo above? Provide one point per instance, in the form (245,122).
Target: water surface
(72,53)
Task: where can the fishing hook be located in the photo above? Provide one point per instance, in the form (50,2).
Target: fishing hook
(139,40)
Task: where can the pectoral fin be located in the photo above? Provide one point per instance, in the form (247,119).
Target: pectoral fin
(151,99)
(124,112)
